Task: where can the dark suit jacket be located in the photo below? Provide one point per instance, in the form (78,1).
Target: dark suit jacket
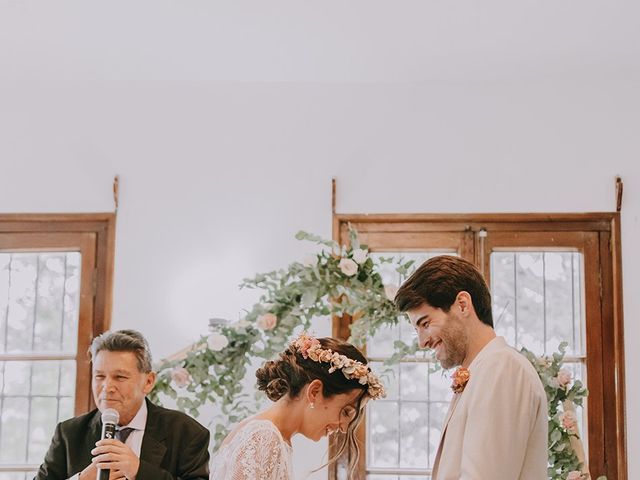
(174,446)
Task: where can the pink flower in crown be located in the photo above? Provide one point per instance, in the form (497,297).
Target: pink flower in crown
(325,355)
(460,379)
(305,343)
(314,352)
(574,475)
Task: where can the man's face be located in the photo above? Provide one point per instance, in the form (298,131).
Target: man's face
(444,332)
(117,383)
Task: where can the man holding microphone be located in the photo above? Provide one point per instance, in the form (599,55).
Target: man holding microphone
(151,442)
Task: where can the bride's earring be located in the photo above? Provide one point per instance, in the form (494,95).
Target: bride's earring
(312,406)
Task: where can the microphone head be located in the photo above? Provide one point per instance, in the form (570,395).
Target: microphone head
(110,416)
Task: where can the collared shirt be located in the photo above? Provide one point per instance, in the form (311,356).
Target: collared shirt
(138,424)
(134,442)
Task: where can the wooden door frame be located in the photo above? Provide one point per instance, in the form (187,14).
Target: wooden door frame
(613,459)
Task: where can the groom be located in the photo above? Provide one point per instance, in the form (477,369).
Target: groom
(496,427)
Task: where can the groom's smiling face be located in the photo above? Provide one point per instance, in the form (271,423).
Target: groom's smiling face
(443,332)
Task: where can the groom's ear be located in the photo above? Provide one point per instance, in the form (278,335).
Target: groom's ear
(464,303)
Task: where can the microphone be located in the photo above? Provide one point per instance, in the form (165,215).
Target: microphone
(110,418)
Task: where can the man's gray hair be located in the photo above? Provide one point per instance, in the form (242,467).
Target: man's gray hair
(124,341)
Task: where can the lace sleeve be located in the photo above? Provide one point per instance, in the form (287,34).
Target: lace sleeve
(260,456)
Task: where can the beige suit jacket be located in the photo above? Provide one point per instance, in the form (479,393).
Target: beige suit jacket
(496,429)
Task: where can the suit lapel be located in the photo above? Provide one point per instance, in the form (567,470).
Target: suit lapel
(153,442)
(84,457)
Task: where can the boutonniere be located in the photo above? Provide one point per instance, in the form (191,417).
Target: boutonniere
(460,378)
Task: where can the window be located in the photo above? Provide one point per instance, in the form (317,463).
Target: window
(552,278)
(54,274)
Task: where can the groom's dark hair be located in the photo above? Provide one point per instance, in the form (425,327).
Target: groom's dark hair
(437,283)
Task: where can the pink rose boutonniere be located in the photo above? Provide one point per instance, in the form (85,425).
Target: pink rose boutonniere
(460,378)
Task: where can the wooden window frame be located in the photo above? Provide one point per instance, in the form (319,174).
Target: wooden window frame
(604,332)
(46,229)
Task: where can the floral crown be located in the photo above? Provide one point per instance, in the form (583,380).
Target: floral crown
(310,347)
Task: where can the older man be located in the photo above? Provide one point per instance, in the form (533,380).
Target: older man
(153,443)
(496,427)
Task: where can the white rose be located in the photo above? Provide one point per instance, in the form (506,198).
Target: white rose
(348,267)
(267,321)
(217,342)
(360,256)
(390,291)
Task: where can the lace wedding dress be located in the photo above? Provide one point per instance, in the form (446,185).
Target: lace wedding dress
(255,451)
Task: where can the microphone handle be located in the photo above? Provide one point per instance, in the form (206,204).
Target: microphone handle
(108,432)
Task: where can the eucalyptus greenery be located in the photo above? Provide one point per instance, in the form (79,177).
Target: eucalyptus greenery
(564,462)
(338,280)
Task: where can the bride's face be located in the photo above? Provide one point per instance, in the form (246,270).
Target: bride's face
(331,414)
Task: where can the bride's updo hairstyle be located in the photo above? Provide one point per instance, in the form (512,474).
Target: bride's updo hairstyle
(292,371)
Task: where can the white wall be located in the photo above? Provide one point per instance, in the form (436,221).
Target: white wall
(226,122)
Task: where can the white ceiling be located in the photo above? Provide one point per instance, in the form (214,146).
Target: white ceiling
(322,41)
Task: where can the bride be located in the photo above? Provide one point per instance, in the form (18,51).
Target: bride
(319,386)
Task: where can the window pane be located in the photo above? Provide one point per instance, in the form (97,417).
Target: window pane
(39,299)
(16,378)
(414,380)
(34,398)
(537,299)
(42,423)
(383,434)
(414,434)
(39,311)
(15,420)
(437,414)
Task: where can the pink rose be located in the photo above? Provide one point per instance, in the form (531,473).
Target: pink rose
(564,377)
(348,267)
(180,376)
(267,321)
(574,475)
(569,421)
